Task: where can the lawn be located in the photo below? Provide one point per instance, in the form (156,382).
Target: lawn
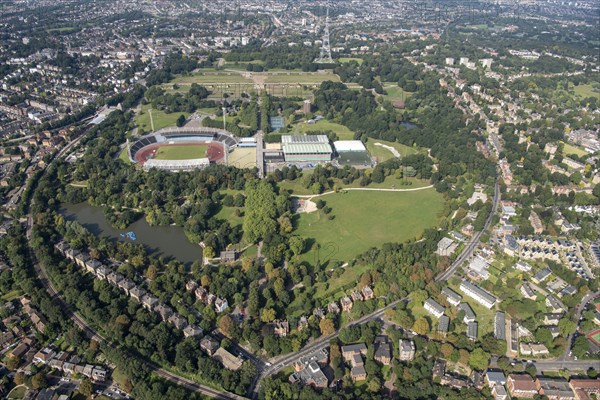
(123,156)
(300,78)
(365,219)
(323,125)
(395,92)
(344,60)
(586,91)
(11,295)
(390,182)
(384,154)
(570,149)
(161,119)
(211,76)
(228,214)
(183,152)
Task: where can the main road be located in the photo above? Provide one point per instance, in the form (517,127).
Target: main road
(91,333)
(474,242)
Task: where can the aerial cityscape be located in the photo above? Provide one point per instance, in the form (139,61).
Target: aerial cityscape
(275,199)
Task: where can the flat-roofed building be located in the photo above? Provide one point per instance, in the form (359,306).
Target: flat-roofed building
(306,148)
(478,294)
(500,326)
(469,313)
(228,360)
(434,308)
(472,330)
(452,297)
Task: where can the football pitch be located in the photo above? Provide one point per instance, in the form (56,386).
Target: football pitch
(183,152)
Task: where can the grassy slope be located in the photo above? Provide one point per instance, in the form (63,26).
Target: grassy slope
(367,219)
(342,131)
(384,154)
(161,119)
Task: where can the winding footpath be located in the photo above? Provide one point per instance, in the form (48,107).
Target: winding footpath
(310,196)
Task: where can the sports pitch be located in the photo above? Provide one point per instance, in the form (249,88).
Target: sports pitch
(183,152)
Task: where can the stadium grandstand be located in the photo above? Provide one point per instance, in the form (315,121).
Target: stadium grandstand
(306,148)
(218,144)
(177,165)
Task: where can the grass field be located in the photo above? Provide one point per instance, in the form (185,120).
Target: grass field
(395,92)
(586,91)
(384,154)
(300,78)
(390,182)
(183,152)
(211,76)
(11,295)
(124,157)
(365,219)
(341,131)
(570,149)
(228,214)
(242,157)
(161,119)
(344,60)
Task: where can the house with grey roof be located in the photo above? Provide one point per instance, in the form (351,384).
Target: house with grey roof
(149,301)
(433,307)
(478,294)
(451,296)
(469,313)
(164,311)
(177,321)
(443,325)
(472,330)
(500,326)
(137,293)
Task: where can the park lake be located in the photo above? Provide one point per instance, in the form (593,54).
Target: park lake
(166,241)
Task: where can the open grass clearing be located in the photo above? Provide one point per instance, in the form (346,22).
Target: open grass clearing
(383,154)
(211,76)
(570,149)
(323,125)
(228,214)
(300,78)
(183,152)
(343,60)
(395,92)
(586,91)
(365,219)
(390,182)
(11,295)
(123,156)
(161,118)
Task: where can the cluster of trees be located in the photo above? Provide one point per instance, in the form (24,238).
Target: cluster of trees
(174,63)
(176,102)
(441,126)
(277,56)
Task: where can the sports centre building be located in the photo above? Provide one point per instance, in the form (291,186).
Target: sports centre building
(218,144)
(306,148)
